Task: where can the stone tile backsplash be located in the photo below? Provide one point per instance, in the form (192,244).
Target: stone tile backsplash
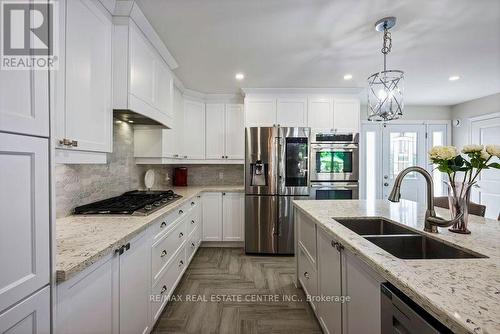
(77,185)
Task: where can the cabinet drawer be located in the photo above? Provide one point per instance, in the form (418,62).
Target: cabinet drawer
(307,235)
(166,284)
(164,224)
(165,248)
(307,275)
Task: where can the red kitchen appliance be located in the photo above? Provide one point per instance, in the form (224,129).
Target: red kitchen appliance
(180,176)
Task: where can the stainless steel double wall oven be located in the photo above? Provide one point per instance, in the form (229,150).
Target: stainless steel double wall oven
(276,171)
(334,165)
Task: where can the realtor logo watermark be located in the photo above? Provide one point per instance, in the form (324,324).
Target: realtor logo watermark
(29,33)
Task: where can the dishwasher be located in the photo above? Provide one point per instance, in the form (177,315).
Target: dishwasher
(401,315)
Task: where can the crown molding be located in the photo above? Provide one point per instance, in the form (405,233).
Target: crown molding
(303,91)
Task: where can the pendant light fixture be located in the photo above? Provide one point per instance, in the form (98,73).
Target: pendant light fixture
(385,88)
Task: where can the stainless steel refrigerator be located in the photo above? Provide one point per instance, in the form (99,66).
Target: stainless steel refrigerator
(276,171)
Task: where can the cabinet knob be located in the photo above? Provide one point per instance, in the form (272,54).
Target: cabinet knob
(181,235)
(192,245)
(222,157)
(163,253)
(306,275)
(181,212)
(176,155)
(163,224)
(185,157)
(74,143)
(127,246)
(181,263)
(192,221)
(163,289)
(66,142)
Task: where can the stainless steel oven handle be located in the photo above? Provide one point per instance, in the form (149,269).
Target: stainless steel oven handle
(334,186)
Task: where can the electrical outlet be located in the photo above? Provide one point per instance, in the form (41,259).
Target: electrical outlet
(221,175)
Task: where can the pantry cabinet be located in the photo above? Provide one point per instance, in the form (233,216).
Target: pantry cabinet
(194,130)
(223,216)
(224,132)
(83,84)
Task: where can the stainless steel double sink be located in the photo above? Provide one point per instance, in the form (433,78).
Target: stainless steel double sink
(402,242)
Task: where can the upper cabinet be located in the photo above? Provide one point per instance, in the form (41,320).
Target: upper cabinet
(143,82)
(194,130)
(224,132)
(83,84)
(294,110)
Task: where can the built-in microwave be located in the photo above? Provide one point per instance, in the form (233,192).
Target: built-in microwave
(334,190)
(334,156)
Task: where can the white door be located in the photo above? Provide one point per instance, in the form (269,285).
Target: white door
(329,283)
(403,146)
(135,285)
(291,112)
(24,206)
(24,102)
(320,113)
(346,114)
(232,216)
(88,111)
(194,130)
(212,216)
(437,135)
(235,132)
(260,112)
(214,137)
(31,316)
(487,189)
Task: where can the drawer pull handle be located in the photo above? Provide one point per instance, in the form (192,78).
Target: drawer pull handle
(193,203)
(192,221)
(334,244)
(306,275)
(163,289)
(181,263)
(181,212)
(127,246)
(192,245)
(181,235)
(163,224)
(163,253)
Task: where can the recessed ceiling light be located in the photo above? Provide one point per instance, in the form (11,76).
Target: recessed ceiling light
(454,78)
(348,77)
(239,76)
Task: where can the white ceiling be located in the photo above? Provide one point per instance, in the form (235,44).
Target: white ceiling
(313,43)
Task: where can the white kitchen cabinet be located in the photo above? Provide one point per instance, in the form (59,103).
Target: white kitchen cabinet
(329,284)
(212,216)
(260,111)
(24,102)
(346,115)
(194,130)
(30,316)
(233,210)
(362,313)
(215,131)
(135,285)
(291,111)
(83,85)
(320,112)
(142,80)
(235,132)
(224,132)
(24,228)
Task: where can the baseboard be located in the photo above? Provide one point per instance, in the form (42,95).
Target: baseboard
(223,244)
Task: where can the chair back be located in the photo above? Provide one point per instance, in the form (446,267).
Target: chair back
(474,208)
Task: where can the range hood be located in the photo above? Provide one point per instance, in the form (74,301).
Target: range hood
(133,117)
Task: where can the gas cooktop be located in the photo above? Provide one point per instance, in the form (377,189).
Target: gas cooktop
(136,202)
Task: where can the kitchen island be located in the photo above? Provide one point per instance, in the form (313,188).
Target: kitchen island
(463,294)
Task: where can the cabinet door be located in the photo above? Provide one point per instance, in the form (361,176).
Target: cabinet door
(235,132)
(346,114)
(24,227)
(88,110)
(194,130)
(329,284)
(292,111)
(320,113)
(172,138)
(362,313)
(142,67)
(164,88)
(260,112)
(135,271)
(215,131)
(232,216)
(212,216)
(24,102)
(32,315)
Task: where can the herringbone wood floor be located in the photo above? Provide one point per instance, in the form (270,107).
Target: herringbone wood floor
(228,271)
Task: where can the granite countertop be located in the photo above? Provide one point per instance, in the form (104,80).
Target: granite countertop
(464,294)
(84,239)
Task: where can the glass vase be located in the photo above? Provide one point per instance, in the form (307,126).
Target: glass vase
(459,199)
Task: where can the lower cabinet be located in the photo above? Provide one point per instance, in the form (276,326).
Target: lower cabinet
(223,216)
(337,273)
(31,315)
